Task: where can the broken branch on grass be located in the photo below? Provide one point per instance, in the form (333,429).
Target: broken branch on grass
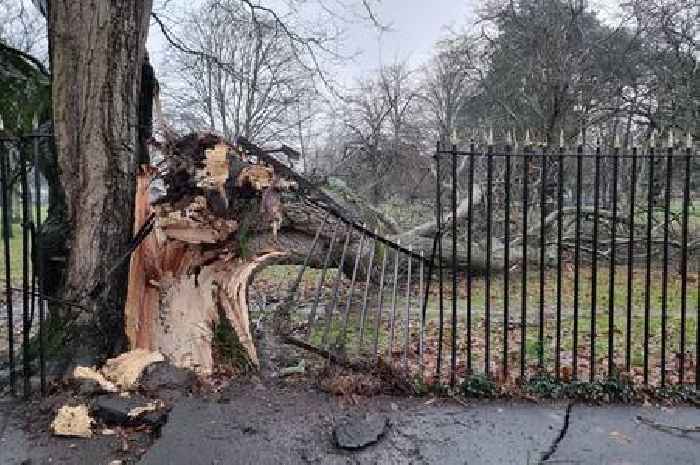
(322,352)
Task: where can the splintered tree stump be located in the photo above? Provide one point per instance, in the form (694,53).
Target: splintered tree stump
(222,213)
(195,266)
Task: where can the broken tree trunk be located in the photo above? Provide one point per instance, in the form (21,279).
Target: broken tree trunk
(194,268)
(224,213)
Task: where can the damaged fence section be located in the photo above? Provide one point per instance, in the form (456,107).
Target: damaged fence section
(582,263)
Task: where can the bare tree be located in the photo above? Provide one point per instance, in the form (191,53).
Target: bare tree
(248,82)
(668,91)
(447,85)
(22,27)
(381,119)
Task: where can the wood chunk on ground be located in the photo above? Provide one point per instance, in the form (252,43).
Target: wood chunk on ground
(89,373)
(125,370)
(149,407)
(73,422)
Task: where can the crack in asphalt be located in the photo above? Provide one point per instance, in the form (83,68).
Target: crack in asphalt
(562,433)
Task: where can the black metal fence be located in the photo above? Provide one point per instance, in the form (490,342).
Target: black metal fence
(24,202)
(583,263)
(588,262)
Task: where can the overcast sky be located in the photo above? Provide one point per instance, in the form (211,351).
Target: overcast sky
(415,26)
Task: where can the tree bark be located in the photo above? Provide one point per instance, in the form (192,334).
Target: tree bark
(97,50)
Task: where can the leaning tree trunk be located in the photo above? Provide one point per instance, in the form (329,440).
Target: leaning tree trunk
(97,50)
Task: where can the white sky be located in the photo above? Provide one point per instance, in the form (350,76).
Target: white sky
(415,26)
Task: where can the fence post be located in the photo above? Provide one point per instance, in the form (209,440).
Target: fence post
(543,253)
(453,357)
(6,225)
(438,221)
(630,265)
(560,233)
(613,252)
(26,323)
(489,247)
(506,257)
(523,291)
(39,257)
(594,258)
(577,252)
(684,257)
(470,218)
(647,283)
(664,270)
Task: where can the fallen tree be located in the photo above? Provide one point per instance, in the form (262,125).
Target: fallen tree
(226,211)
(223,213)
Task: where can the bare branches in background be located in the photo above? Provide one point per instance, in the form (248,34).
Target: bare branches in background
(22,27)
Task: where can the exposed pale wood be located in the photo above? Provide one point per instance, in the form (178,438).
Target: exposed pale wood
(178,290)
(126,369)
(216,172)
(195,267)
(217,164)
(90,373)
(233,297)
(140,298)
(182,329)
(187,233)
(257,176)
(73,422)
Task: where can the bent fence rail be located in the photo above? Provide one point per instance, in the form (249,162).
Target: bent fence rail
(585,266)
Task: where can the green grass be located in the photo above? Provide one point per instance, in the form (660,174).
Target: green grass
(16,250)
(532,344)
(15,256)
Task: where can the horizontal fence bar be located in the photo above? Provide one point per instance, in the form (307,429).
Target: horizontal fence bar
(591,155)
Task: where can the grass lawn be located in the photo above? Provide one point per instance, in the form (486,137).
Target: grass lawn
(15,256)
(332,335)
(16,249)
